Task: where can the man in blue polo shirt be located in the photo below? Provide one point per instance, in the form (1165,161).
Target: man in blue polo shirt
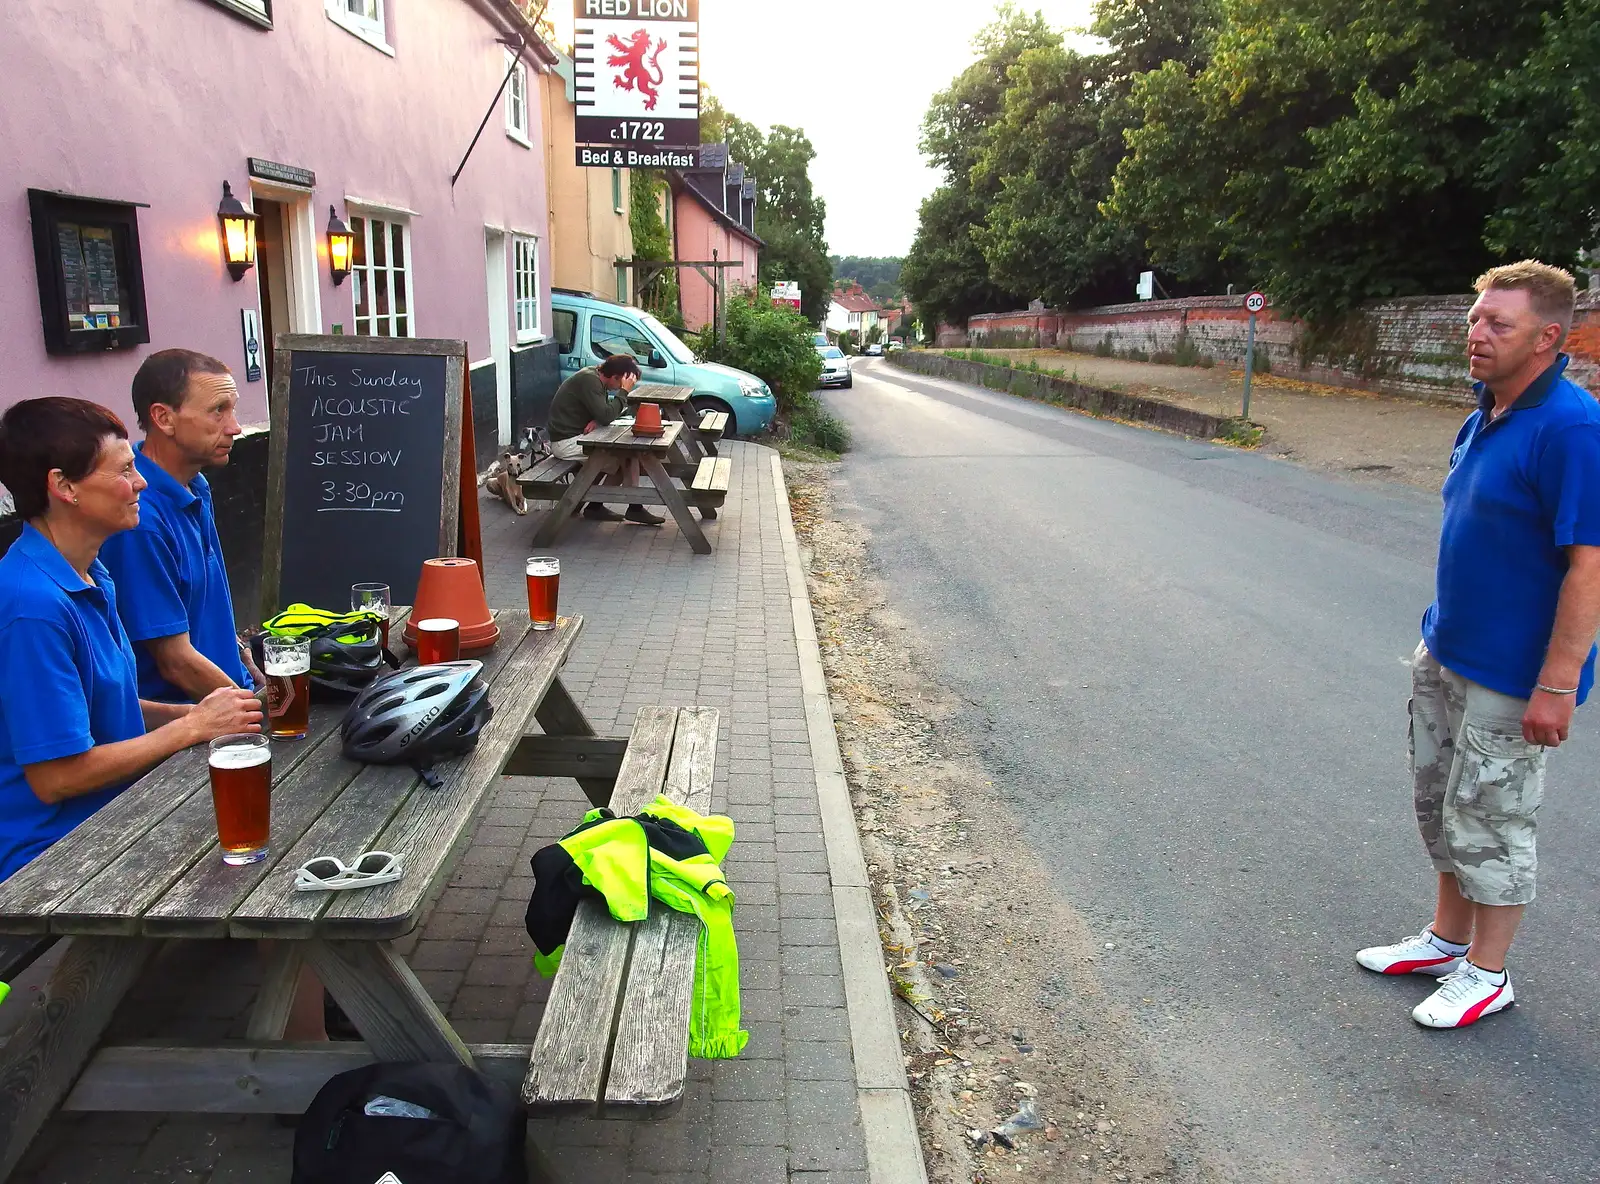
(172,584)
(1507,647)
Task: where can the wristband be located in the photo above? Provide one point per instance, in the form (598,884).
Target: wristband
(1555,690)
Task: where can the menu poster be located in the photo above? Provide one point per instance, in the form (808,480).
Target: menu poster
(74,281)
(105,289)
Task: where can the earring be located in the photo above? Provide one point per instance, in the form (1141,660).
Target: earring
(74,501)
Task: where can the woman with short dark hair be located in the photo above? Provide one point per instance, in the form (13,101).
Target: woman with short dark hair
(73,730)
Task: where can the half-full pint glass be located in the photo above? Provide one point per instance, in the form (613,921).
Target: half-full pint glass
(438,640)
(287,666)
(241,791)
(544,587)
(372,598)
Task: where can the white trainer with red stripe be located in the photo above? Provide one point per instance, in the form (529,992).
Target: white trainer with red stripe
(1464,997)
(1421,954)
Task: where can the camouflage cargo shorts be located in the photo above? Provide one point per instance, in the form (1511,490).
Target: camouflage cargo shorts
(1478,783)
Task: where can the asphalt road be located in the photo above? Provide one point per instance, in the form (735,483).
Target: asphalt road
(1186,671)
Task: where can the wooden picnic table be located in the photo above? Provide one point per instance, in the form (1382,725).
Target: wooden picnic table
(147,867)
(676,403)
(608,449)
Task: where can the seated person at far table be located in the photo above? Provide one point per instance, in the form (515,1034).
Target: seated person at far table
(591,398)
(74,731)
(172,585)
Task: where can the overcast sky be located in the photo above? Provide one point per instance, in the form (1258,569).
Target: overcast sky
(857,76)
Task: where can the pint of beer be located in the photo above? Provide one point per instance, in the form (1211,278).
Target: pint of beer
(241,791)
(438,640)
(544,587)
(287,666)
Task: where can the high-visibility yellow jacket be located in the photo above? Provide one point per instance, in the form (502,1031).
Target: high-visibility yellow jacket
(666,851)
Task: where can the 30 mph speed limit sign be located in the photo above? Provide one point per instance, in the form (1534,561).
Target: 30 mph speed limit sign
(1255,302)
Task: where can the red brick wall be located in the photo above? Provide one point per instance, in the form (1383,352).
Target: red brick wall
(1414,347)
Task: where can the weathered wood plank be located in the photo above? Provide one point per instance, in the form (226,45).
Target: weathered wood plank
(650,1056)
(20,952)
(568,1068)
(29,896)
(280,981)
(60,1031)
(713,475)
(242,1077)
(353,822)
(578,757)
(549,526)
(679,509)
(200,902)
(185,841)
(432,826)
(389,1007)
(560,715)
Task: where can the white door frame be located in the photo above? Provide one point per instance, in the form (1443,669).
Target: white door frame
(304,314)
(496,247)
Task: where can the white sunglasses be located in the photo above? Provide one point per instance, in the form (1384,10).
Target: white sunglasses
(326,873)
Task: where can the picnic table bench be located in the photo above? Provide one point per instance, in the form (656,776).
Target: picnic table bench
(147,868)
(570,484)
(701,431)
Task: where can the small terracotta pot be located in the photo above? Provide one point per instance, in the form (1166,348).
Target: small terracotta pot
(647,420)
(452,588)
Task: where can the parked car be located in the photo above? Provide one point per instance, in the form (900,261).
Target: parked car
(896,345)
(835,368)
(874,350)
(820,340)
(589,329)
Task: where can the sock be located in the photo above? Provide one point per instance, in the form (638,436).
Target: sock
(1496,977)
(1454,949)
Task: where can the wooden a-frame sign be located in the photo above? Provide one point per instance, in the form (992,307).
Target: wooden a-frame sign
(371,468)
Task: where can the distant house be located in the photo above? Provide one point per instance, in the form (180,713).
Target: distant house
(852,309)
(712,218)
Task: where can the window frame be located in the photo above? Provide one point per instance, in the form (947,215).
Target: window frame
(517,94)
(616,190)
(361,273)
(257,12)
(47,211)
(525,247)
(373,30)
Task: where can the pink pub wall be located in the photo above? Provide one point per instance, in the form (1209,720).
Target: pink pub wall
(160,101)
(699,233)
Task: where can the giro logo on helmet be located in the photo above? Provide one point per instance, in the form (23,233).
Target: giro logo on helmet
(416,728)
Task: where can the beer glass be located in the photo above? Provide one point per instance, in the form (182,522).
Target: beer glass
(544,586)
(438,640)
(372,598)
(241,792)
(287,666)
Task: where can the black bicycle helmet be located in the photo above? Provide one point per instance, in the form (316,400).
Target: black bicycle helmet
(418,716)
(346,648)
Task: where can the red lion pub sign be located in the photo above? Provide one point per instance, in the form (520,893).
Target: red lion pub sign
(637,72)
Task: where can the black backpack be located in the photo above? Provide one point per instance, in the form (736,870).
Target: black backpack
(476,1136)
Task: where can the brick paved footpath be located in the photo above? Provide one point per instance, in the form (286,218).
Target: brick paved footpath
(661,625)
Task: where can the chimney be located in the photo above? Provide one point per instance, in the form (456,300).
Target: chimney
(747,205)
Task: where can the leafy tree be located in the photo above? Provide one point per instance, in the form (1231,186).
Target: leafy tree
(768,340)
(789,214)
(651,241)
(880,276)
(945,271)
(1332,148)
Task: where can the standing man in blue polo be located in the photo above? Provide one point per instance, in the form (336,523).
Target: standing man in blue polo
(172,584)
(1507,647)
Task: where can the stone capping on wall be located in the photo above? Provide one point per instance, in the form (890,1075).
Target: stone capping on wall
(1097,401)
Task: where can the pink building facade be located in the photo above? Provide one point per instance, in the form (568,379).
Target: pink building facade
(713,220)
(365,106)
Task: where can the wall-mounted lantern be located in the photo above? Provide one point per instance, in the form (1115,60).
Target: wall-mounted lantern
(341,247)
(238,233)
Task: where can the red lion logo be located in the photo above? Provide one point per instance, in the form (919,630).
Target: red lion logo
(635,74)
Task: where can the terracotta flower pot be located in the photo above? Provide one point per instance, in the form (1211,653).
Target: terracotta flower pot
(647,420)
(452,588)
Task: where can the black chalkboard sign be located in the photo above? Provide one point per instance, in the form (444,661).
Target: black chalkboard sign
(364,483)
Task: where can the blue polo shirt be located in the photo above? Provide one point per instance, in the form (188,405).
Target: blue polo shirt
(66,685)
(171,578)
(1521,487)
